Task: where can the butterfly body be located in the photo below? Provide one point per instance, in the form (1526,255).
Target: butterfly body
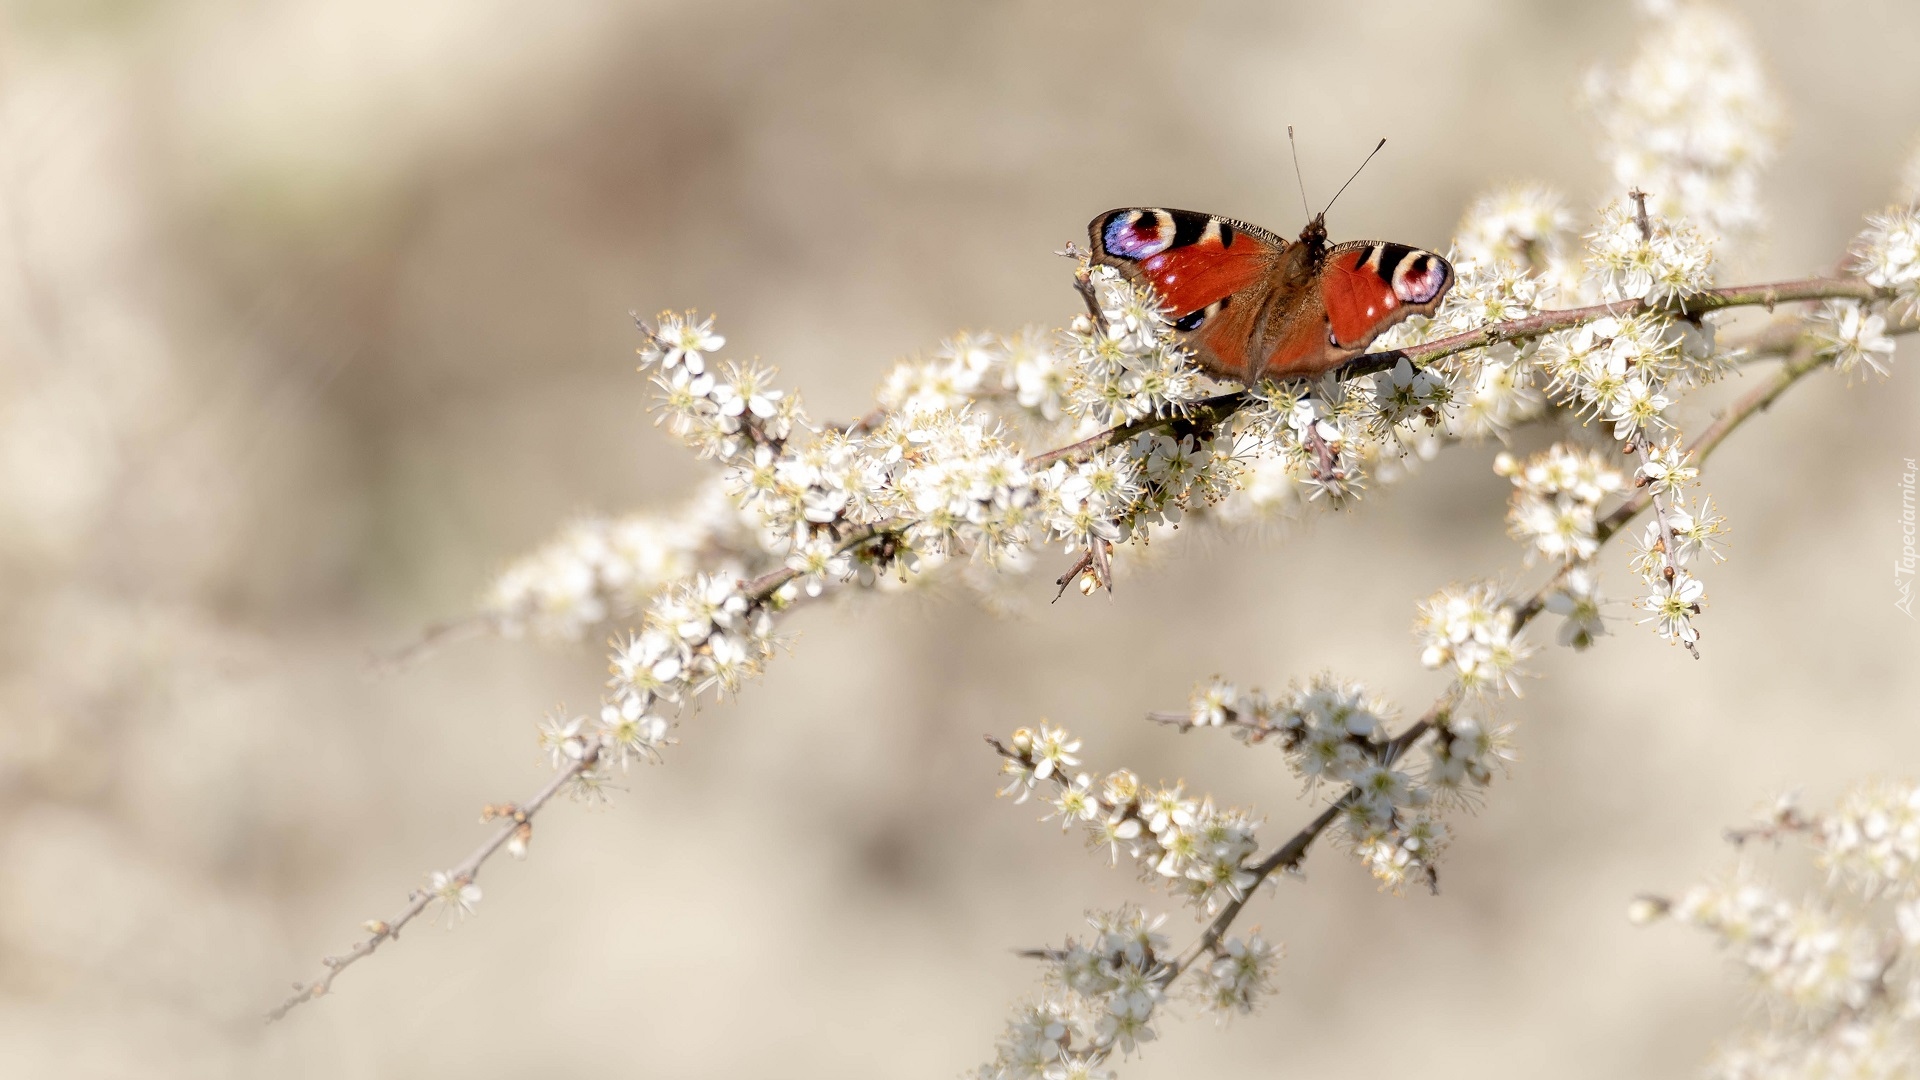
(1252,305)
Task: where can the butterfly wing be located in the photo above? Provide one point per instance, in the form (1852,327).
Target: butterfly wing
(1364,288)
(1214,273)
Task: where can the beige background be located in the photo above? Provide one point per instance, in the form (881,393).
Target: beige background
(313,312)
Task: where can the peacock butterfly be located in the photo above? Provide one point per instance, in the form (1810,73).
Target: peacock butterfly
(1251,305)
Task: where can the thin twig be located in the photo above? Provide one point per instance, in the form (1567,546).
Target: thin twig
(519,817)
(1214,409)
(436,635)
(763,588)
(1289,854)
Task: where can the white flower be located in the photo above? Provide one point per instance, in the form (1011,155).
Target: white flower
(630,732)
(817,560)
(1666,469)
(681,342)
(1690,119)
(1470,629)
(1402,392)
(1526,226)
(1077,803)
(455,896)
(1887,252)
(1873,838)
(1635,408)
(1673,604)
(1053,751)
(1578,600)
(1211,703)
(1669,261)
(1241,971)
(1851,335)
(747,390)
(561,738)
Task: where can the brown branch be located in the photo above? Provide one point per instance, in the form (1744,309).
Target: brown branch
(1211,411)
(1214,409)
(435,636)
(1289,854)
(762,589)
(1547,322)
(519,817)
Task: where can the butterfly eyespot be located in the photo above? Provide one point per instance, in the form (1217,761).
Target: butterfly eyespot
(1138,234)
(1420,276)
(1193,320)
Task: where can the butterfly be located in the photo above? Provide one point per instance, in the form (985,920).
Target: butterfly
(1250,305)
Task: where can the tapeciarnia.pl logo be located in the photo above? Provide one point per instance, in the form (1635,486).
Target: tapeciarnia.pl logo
(1903,567)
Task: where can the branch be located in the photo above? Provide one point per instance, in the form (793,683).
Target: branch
(1214,409)
(519,820)
(1286,856)
(436,635)
(762,590)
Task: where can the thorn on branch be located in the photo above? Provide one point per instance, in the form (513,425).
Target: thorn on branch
(1083,284)
(1093,570)
(1182,721)
(1082,564)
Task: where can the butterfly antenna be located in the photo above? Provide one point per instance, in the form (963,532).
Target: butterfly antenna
(1350,179)
(1296,171)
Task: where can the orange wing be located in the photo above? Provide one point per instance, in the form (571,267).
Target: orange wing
(1365,288)
(1210,270)
(1369,285)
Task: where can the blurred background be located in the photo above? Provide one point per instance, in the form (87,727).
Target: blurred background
(313,313)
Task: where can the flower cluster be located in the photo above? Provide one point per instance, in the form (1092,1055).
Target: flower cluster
(1872,839)
(1690,119)
(1887,254)
(1481,392)
(1471,632)
(1025,370)
(1525,226)
(1100,996)
(1090,502)
(1125,363)
(1840,968)
(955,480)
(725,414)
(1335,732)
(1677,536)
(704,634)
(1557,494)
(1639,256)
(1181,472)
(1806,953)
(1625,372)
(1464,753)
(1323,433)
(1198,850)
(1617,370)
(605,568)
(1238,973)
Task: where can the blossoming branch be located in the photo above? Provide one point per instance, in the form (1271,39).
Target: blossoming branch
(1073,449)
